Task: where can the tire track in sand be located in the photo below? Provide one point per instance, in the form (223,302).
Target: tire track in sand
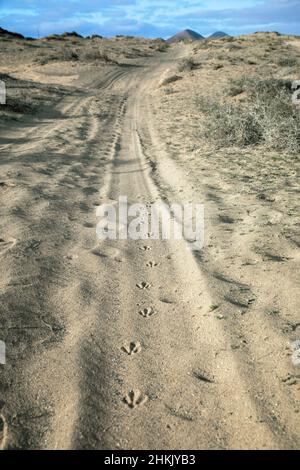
(183,346)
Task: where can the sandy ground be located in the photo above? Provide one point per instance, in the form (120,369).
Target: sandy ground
(212,368)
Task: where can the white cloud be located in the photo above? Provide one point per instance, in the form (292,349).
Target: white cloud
(149,17)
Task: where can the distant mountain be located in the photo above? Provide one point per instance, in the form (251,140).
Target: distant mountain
(185,36)
(218,35)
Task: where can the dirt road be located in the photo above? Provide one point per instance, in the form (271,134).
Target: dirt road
(116,344)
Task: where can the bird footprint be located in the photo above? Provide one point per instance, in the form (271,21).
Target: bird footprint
(152,264)
(135,398)
(133,348)
(144,285)
(148,312)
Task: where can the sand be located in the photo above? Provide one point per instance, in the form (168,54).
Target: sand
(133,344)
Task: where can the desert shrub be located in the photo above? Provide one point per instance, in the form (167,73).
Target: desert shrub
(64,54)
(187,64)
(54,37)
(203,44)
(44,59)
(268,117)
(91,55)
(124,36)
(227,125)
(71,34)
(68,54)
(237,86)
(163,47)
(234,47)
(287,61)
(96,36)
(269,87)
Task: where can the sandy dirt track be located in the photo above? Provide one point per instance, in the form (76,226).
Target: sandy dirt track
(76,304)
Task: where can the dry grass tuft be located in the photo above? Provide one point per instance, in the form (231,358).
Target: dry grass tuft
(266,117)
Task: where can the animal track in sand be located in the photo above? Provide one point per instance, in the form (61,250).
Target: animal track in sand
(144,285)
(135,398)
(148,312)
(145,248)
(133,348)
(152,264)
(6,245)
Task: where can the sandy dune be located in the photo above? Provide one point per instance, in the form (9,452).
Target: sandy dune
(132,344)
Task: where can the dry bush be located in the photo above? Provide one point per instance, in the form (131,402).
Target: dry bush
(63,54)
(238,86)
(163,47)
(95,55)
(96,36)
(53,37)
(204,44)
(187,64)
(234,47)
(68,54)
(268,117)
(45,59)
(287,61)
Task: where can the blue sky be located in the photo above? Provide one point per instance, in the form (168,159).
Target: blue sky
(150,18)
